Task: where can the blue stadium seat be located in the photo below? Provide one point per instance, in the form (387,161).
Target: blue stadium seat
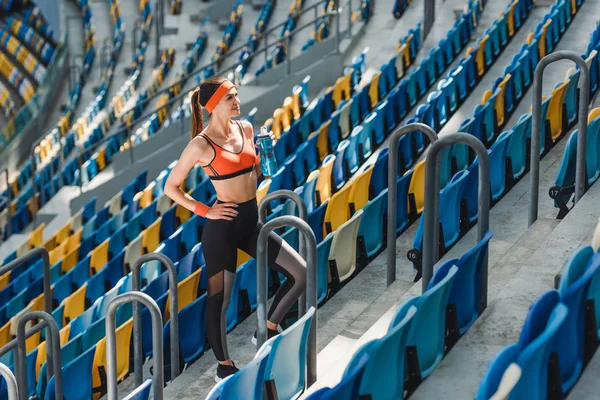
(77,377)
(402,209)
(142,392)
(545,318)
(323,249)
(191,329)
(430,318)
(348,388)
(491,381)
(516,148)
(571,98)
(575,281)
(339,165)
(386,359)
(371,224)
(498,165)
(288,373)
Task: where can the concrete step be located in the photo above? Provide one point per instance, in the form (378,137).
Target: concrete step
(527,272)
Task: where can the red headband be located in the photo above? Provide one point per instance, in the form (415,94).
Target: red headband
(218,95)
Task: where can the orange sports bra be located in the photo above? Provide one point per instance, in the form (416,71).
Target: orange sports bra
(227,164)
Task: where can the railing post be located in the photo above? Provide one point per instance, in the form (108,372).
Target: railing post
(392,189)
(584,92)
(138,357)
(11,382)
(302,214)
(35,253)
(53,356)
(311,285)
(431,207)
(288,55)
(157,350)
(349,18)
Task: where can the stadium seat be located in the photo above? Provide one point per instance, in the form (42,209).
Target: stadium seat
(323,189)
(191,331)
(343,247)
(431,318)
(188,292)
(386,363)
(99,257)
(575,281)
(249,380)
(338,210)
(516,148)
(287,372)
(545,318)
(77,377)
(497,157)
(555,110)
(142,392)
(123,343)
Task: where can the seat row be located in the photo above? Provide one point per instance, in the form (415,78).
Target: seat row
(21,54)
(253,41)
(558,337)
(277,57)
(93,123)
(564,184)
(224,45)
(508,150)
(422,331)
(42,48)
(399,7)
(323,26)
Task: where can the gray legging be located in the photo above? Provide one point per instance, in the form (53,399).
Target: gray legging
(220,241)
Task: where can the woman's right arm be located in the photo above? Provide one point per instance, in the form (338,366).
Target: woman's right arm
(182,168)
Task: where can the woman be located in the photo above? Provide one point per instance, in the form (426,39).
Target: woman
(226,151)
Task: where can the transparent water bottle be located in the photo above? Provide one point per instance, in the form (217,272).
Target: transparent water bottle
(268,162)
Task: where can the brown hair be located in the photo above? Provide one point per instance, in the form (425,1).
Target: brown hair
(200,97)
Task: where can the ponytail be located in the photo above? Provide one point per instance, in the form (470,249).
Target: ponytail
(197,119)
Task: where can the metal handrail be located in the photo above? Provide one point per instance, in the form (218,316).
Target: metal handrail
(393,187)
(111,350)
(11,382)
(53,356)
(431,207)
(584,93)
(138,357)
(311,284)
(302,214)
(42,252)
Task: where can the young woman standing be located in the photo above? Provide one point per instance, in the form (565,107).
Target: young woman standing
(225,150)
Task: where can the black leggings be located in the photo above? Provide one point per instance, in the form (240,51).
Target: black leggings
(220,241)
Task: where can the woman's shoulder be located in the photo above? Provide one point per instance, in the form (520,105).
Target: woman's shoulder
(248,129)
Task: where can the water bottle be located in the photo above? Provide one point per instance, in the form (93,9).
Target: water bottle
(268,162)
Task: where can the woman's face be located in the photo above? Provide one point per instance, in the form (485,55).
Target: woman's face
(229,104)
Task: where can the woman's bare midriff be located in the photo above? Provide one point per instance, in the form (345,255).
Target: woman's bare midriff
(237,190)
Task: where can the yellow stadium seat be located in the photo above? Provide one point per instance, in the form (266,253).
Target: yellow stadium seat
(573,7)
(359,193)
(296,106)
(417,186)
(63,233)
(342,88)
(595,113)
(151,238)
(500,105)
(182,214)
(74,240)
(542,41)
(323,186)
(337,211)
(99,257)
(101,159)
(50,244)
(479,56)
(555,110)
(36,236)
(74,305)
(406,50)
(4,280)
(242,257)
(123,342)
(277,126)
(374,89)
(5,336)
(323,140)
(70,260)
(510,19)
(58,253)
(262,190)
(187,292)
(64,334)
(147,195)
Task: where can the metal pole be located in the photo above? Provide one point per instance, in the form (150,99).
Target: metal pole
(431,209)
(138,356)
(53,355)
(36,252)
(337,29)
(157,29)
(311,284)
(111,348)
(302,214)
(584,92)
(392,190)
(349,18)
(9,195)
(429,15)
(11,382)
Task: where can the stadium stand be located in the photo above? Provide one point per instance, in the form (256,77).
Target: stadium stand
(332,151)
